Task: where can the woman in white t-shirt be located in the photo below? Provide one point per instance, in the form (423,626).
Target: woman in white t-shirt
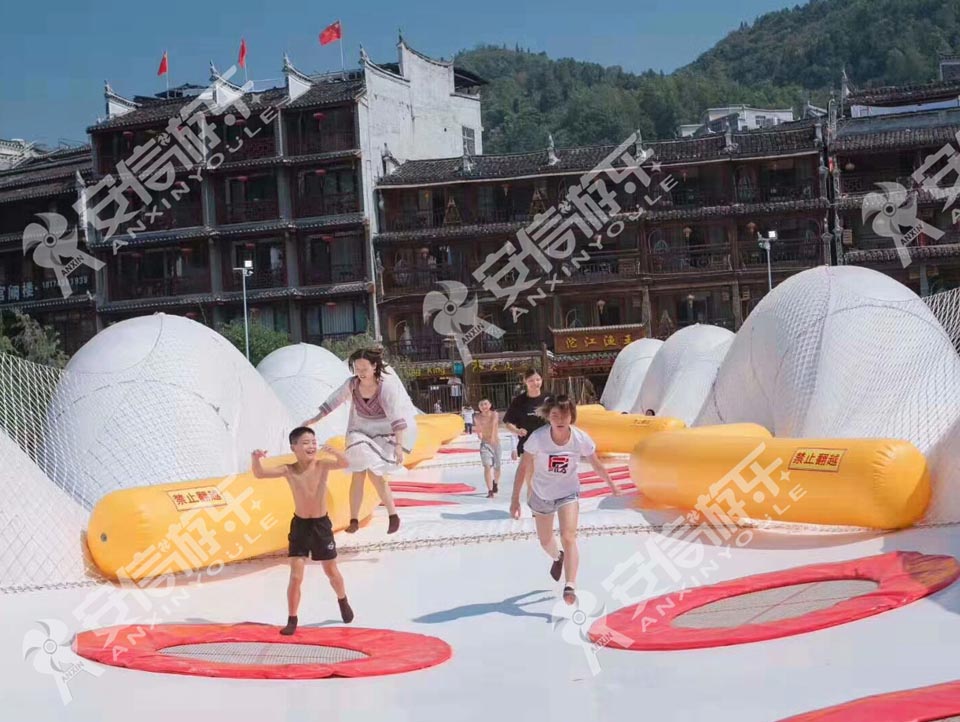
(551,459)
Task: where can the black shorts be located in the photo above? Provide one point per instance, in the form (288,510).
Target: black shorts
(313,538)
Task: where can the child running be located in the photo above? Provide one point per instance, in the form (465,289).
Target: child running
(487,422)
(311,532)
(552,454)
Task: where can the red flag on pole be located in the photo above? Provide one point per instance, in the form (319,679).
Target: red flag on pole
(162,70)
(331,34)
(242,62)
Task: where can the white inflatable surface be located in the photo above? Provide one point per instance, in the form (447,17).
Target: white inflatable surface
(461,576)
(847,352)
(159,399)
(303,376)
(626,377)
(681,374)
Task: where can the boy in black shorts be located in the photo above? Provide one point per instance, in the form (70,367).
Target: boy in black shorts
(311,533)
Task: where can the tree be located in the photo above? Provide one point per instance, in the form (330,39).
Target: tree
(23,336)
(263,340)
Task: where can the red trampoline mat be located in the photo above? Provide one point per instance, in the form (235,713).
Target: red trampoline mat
(415,487)
(925,704)
(140,647)
(903,577)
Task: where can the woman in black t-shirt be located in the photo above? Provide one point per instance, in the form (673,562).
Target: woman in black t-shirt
(521,418)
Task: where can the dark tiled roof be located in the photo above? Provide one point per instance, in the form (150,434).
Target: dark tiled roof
(890,255)
(153,238)
(265,294)
(898,131)
(156,111)
(59,188)
(585,158)
(51,304)
(343,219)
(906,94)
(161,238)
(321,157)
(329,92)
(735,209)
(135,304)
(152,113)
(56,165)
(451,232)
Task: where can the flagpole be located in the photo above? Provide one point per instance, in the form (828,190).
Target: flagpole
(166,75)
(342,67)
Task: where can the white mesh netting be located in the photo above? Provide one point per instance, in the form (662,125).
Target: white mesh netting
(848,352)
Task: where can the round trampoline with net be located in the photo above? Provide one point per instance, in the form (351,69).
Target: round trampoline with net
(777,604)
(255,651)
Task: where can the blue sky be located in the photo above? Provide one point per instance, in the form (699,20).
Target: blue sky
(54,56)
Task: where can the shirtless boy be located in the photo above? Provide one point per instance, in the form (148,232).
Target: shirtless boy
(487,424)
(311,532)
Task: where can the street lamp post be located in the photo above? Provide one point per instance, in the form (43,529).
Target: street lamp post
(245,270)
(765,245)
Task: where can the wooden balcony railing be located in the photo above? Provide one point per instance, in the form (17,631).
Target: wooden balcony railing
(270,278)
(327,205)
(335,273)
(805,190)
(322,142)
(695,259)
(262,145)
(433,347)
(418,220)
(783,252)
(262,210)
(178,215)
(122,288)
(400,279)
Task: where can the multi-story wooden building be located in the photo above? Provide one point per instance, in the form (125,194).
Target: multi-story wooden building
(907,138)
(294,196)
(51,183)
(692,256)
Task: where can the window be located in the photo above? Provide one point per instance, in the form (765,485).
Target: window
(469,141)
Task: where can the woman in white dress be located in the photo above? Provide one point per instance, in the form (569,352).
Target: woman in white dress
(379,430)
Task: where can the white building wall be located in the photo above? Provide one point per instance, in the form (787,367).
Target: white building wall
(416,115)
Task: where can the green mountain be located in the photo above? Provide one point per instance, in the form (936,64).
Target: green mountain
(783,59)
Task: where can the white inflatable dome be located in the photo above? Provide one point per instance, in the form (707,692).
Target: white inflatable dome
(41,527)
(160,399)
(626,377)
(303,376)
(847,352)
(682,373)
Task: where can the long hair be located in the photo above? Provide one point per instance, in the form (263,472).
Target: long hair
(373,355)
(563,403)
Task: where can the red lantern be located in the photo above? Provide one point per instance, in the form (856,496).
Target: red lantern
(330,304)
(186,251)
(128,134)
(327,239)
(250,246)
(320,171)
(240,121)
(319,116)
(242,178)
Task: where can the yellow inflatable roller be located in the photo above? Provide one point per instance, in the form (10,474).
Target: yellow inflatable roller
(878,483)
(744,429)
(616,433)
(448,426)
(151,530)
